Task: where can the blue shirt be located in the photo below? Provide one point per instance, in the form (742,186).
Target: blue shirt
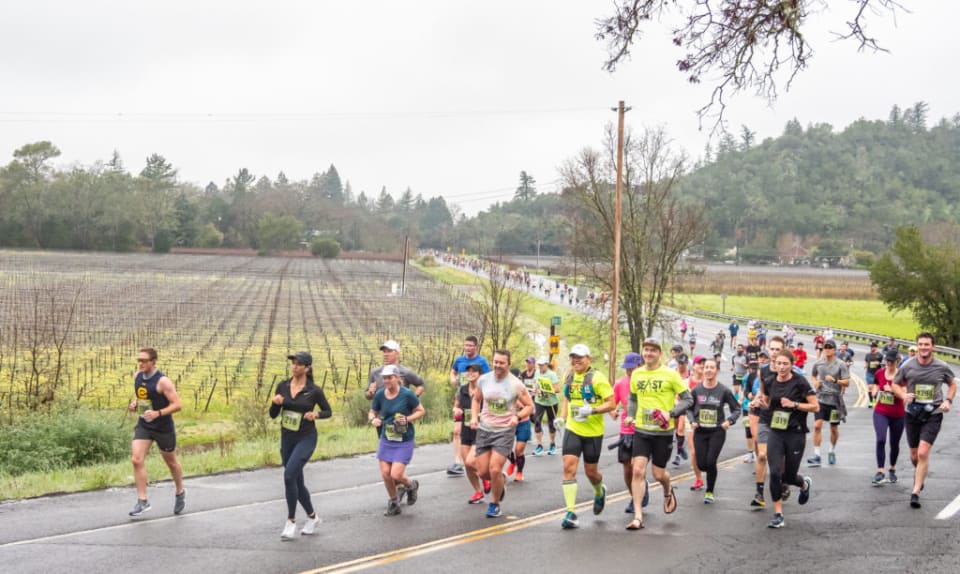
(461,363)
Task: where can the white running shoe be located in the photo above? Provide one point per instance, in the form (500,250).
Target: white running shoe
(289,530)
(310,526)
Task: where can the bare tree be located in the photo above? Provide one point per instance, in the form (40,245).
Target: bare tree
(656,227)
(498,308)
(745,43)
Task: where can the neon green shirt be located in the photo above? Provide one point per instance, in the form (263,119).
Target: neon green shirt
(656,389)
(593,426)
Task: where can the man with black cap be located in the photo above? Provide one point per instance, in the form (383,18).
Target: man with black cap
(872,362)
(830,378)
(675,352)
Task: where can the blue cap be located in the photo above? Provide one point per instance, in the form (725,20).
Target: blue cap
(632,361)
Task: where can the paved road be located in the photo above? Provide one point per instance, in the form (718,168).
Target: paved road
(234,520)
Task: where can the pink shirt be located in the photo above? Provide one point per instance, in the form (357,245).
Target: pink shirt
(621,395)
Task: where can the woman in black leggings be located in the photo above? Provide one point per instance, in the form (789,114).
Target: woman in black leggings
(709,425)
(888,414)
(787,398)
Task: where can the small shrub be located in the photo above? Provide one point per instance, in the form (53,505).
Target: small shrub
(325,247)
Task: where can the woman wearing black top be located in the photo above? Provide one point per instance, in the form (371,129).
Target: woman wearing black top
(786,400)
(294,403)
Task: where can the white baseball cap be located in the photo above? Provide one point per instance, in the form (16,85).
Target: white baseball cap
(390,345)
(580,350)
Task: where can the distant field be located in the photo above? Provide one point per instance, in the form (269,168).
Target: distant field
(870,316)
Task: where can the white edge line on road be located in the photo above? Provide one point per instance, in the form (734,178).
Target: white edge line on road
(950,509)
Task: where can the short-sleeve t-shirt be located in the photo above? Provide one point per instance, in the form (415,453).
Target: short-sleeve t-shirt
(408,377)
(466,401)
(655,389)
(621,395)
(925,381)
(499,401)
(829,392)
(579,394)
(796,389)
(873,361)
(461,363)
(387,409)
(547,398)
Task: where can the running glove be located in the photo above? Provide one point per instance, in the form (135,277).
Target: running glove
(558,423)
(583,412)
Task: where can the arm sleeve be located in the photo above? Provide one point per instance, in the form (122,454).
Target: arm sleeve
(685,402)
(325,411)
(632,406)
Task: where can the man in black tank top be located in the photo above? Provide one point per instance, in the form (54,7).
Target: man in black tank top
(155,400)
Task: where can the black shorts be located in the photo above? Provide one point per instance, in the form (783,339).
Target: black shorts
(926,432)
(468,436)
(587,446)
(826,413)
(166,441)
(625,450)
(656,448)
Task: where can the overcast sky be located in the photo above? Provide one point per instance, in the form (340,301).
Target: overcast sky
(449,98)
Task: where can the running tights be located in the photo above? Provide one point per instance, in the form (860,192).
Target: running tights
(784,453)
(295,453)
(880,424)
(708,443)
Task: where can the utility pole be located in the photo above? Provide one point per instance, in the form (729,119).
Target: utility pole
(615,295)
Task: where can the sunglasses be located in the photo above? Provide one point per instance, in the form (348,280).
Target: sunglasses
(139,360)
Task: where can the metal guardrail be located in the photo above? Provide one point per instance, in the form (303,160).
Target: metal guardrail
(859,336)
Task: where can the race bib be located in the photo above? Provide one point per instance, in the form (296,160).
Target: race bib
(290,420)
(647,420)
(707,417)
(746,421)
(835,416)
(497,406)
(924,393)
(886,398)
(780,420)
(391,433)
(143,406)
(546,386)
(874,364)
(466,415)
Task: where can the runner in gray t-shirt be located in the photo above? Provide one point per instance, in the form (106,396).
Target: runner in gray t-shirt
(830,377)
(919,383)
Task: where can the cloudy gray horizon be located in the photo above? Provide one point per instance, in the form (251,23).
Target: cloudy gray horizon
(448,98)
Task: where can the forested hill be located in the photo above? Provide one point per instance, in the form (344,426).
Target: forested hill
(831,192)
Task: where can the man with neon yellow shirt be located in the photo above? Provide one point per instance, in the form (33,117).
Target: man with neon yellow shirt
(652,407)
(587,394)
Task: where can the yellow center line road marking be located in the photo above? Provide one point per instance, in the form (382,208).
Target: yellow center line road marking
(474,535)
(862,394)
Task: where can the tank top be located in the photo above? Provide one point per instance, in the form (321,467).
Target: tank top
(146,391)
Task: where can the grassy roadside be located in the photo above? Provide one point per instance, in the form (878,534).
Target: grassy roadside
(223,456)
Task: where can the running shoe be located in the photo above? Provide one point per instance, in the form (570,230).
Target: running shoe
(518,478)
(493,511)
(777,521)
(289,530)
(758,501)
(552,450)
(393,508)
(646,496)
(805,491)
(412,492)
(915,500)
(814,461)
(455,470)
(749,458)
(401,492)
(697,485)
(785,493)
(708,498)
(538,451)
(477,498)
(831,458)
(486,486)
(600,500)
(570,521)
(180,502)
(140,507)
(892,476)
(682,451)
(629,508)
(878,479)
(510,468)
(676,459)
(310,526)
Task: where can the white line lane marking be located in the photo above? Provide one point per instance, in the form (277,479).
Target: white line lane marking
(950,509)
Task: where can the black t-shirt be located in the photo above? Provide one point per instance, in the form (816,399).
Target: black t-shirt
(796,389)
(463,397)
(874,362)
(753,354)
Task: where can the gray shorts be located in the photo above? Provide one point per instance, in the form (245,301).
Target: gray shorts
(763,432)
(500,442)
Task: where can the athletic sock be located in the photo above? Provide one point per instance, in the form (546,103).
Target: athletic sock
(680,441)
(832,447)
(512,458)
(521,460)
(570,494)
(760,488)
(816,451)
(598,488)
